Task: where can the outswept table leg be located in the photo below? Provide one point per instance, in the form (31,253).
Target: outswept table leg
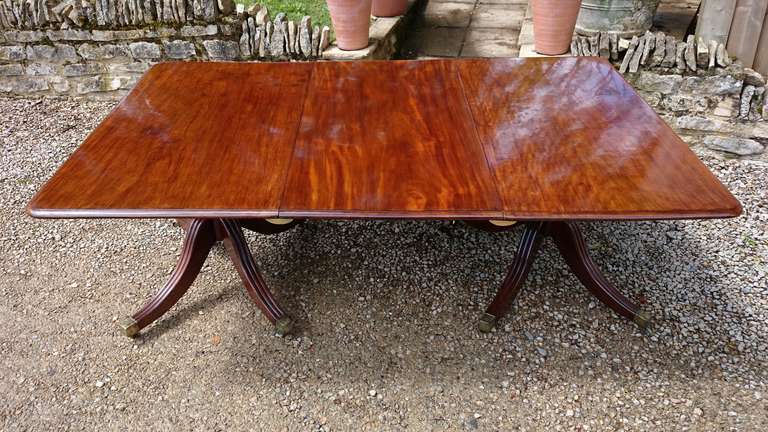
(198,241)
(252,279)
(201,235)
(516,275)
(572,246)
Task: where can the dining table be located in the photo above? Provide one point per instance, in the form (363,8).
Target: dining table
(543,145)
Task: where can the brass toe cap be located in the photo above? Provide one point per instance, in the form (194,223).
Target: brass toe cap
(129,327)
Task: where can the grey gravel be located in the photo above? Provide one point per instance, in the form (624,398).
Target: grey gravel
(386,315)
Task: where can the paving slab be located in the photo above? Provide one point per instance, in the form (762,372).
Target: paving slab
(436,42)
(448,14)
(490,43)
(497,16)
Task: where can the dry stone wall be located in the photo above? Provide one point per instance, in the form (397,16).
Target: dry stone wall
(694,85)
(101,47)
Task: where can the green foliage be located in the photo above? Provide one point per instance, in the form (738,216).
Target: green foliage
(296,9)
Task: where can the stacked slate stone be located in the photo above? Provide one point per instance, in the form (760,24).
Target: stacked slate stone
(28,14)
(281,38)
(753,105)
(653,50)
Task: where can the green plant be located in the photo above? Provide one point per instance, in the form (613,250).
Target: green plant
(296,9)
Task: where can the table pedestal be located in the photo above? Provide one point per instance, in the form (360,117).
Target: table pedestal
(570,242)
(201,235)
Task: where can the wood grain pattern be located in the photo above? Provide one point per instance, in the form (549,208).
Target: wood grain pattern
(387,139)
(520,139)
(570,139)
(190,140)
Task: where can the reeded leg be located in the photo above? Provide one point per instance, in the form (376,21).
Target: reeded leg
(200,237)
(252,278)
(573,248)
(516,275)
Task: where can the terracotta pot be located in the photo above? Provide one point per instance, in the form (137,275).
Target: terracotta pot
(351,19)
(389,8)
(553,24)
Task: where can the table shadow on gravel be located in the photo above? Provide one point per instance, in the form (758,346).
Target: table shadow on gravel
(317,281)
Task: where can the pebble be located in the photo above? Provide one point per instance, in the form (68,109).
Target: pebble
(412,337)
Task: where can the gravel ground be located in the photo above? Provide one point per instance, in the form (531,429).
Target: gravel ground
(386,315)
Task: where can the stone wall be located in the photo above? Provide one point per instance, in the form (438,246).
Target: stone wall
(695,86)
(101,47)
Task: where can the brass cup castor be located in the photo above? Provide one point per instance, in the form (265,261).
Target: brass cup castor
(644,321)
(283,326)
(129,326)
(486,323)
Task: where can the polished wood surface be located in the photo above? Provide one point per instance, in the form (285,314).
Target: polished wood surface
(521,139)
(571,139)
(388,139)
(190,140)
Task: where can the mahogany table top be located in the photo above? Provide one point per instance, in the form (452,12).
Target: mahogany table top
(522,139)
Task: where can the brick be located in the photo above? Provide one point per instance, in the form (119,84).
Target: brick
(197,31)
(24,36)
(40,69)
(145,50)
(60,84)
(76,35)
(98,83)
(23,85)
(128,68)
(110,35)
(221,50)
(162,32)
(81,69)
(12,52)
(57,52)
(179,49)
(11,70)
(101,52)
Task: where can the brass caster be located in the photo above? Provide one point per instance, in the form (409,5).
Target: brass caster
(279,221)
(643,320)
(283,326)
(129,326)
(502,223)
(486,323)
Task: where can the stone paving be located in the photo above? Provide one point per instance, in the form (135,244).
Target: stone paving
(492,28)
(467,28)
